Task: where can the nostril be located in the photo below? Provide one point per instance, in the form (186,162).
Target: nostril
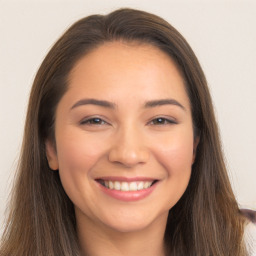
(128,156)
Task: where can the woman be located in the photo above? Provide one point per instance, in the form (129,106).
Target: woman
(121,152)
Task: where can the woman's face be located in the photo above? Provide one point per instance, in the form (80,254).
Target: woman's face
(124,137)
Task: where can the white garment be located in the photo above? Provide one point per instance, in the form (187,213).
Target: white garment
(250,238)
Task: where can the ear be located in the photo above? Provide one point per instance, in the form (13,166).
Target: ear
(196,142)
(51,155)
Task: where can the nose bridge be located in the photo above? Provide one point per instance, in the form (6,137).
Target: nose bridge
(128,147)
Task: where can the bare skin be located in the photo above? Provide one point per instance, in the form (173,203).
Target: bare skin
(125,120)
(98,241)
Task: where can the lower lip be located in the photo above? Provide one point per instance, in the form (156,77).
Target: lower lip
(128,196)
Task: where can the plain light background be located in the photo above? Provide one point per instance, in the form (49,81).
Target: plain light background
(222,34)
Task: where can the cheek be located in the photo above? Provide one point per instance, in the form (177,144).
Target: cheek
(77,152)
(77,156)
(176,157)
(175,153)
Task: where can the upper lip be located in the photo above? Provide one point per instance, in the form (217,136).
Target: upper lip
(127,179)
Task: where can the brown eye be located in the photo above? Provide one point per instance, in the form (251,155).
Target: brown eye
(93,121)
(162,121)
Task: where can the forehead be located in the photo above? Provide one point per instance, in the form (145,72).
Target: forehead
(126,69)
(125,55)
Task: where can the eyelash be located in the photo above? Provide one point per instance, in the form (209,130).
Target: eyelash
(155,121)
(162,121)
(93,121)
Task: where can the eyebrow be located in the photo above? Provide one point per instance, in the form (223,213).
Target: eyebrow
(107,104)
(156,103)
(102,103)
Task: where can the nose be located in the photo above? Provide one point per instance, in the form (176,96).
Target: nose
(128,148)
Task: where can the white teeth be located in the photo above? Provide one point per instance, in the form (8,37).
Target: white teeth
(127,186)
(140,185)
(124,186)
(133,186)
(147,184)
(111,185)
(117,185)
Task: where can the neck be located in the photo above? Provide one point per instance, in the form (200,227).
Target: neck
(96,239)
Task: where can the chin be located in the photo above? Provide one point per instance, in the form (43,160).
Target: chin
(132,222)
(129,226)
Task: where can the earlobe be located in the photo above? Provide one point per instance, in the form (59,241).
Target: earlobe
(196,142)
(51,155)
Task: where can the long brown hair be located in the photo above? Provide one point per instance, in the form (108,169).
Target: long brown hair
(205,221)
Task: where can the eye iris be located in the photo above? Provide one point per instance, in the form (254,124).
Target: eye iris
(96,121)
(159,121)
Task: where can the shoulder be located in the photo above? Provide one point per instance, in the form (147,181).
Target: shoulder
(250,238)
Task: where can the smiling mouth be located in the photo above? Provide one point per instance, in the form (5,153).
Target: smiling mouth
(125,185)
